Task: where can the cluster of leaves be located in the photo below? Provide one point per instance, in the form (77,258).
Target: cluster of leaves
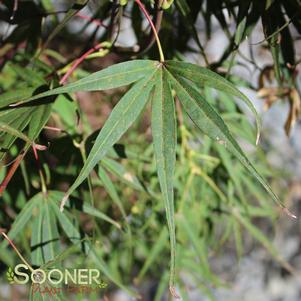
(120,209)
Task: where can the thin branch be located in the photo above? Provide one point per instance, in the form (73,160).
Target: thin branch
(11,171)
(146,14)
(157,20)
(16,250)
(79,61)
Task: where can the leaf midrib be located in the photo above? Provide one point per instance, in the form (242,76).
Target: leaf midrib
(162,140)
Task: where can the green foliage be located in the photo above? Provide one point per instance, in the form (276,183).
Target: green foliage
(113,218)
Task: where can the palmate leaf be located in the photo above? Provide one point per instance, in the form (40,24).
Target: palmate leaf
(70,228)
(43,210)
(155,81)
(4,127)
(32,118)
(38,117)
(46,224)
(65,254)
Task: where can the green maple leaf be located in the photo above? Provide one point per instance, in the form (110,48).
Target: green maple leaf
(155,82)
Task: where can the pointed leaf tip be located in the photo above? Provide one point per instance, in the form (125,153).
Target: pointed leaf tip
(287,212)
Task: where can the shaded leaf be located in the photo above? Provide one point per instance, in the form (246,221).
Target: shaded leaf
(23,218)
(36,236)
(84,207)
(39,118)
(122,173)
(155,251)
(50,233)
(110,188)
